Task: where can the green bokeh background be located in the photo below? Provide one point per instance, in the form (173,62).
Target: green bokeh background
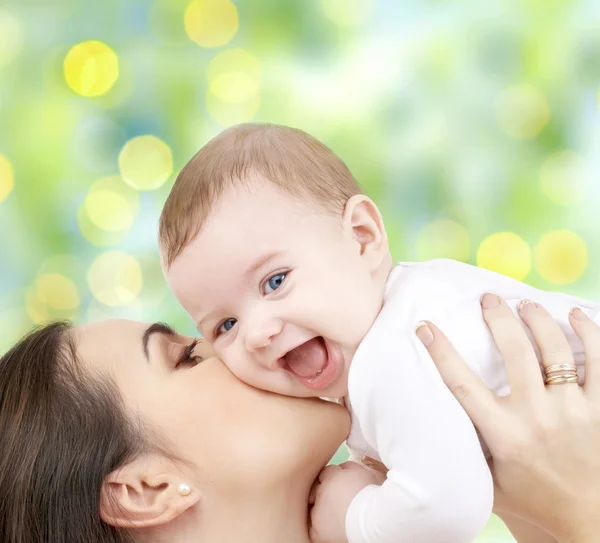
(461,119)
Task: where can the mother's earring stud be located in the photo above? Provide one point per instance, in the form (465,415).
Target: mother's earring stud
(183,489)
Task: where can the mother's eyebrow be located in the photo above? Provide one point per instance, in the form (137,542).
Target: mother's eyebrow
(156,328)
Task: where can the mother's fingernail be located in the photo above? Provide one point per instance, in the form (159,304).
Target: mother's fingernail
(578,314)
(525,305)
(489,300)
(424,333)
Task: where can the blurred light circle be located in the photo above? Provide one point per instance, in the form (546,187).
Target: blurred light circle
(443,238)
(37,310)
(91,68)
(347,12)
(564,178)
(7,178)
(146,162)
(52,296)
(211,23)
(505,253)
(522,111)
(561,257)
(57,291)
(234,87)
(234,60)
(115,278)
(233,94)
(94,234)
(11,37)
(229,113)
(108,211)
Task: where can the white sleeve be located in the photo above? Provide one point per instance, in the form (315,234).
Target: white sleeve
(462,322)
(439,487)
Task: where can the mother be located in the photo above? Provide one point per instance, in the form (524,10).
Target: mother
(122,418)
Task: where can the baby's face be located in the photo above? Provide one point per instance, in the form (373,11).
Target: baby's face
(280,289)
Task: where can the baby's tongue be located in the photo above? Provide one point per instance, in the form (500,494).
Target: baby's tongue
(307,359)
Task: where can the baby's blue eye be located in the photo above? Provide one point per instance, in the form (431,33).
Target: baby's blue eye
(227,325)
(274,282)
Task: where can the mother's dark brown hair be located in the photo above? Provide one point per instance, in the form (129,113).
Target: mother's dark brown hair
(62,432)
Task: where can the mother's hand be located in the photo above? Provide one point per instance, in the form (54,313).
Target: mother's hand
(544,439)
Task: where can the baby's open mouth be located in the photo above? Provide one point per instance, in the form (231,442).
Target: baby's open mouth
(308,363)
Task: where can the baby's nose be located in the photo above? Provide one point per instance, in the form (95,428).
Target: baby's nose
(262,334)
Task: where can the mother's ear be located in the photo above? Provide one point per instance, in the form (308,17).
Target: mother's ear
(145,493)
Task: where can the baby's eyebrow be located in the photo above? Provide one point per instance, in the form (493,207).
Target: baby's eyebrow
(202,320)
(261,261)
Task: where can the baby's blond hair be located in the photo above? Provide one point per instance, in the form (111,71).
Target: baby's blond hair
(287,157)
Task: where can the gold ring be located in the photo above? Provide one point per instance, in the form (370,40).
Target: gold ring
(559,374)
(560,367)
(561,379)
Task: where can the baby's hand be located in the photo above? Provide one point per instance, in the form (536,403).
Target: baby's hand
(335,489)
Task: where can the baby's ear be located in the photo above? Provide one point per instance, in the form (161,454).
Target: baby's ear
(363,222)
(145,493)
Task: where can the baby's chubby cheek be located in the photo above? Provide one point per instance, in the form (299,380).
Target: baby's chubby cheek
(205,349)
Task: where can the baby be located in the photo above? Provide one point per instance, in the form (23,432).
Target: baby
(270,245)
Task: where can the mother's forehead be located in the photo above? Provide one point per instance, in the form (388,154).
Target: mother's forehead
(122,327)
(116,337)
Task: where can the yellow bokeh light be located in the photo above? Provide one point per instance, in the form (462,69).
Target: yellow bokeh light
(227,114)
(115,278)
(57,291)
(37,310)
(234,87)
(561,257)
(112,205)
(108,211)
(91,68)
(522,111)
(234,60)
(347,12)
(211,23)
(7,178)
(443,239)
(52,296)
(233,94)
(146,162)
(564,178)
(96,235)
(505,253)
(11,37)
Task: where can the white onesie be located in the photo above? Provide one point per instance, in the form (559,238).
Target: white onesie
(439,488)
